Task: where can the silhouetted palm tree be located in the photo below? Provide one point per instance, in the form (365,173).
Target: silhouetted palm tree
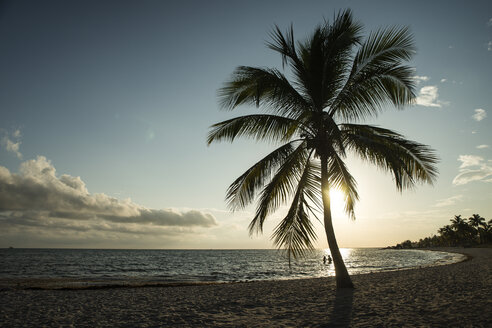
(488,232)
(337,80)
(479,224)
(463,231)
(448,235)
(457,222)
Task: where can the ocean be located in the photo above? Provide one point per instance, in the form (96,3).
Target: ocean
(203,265)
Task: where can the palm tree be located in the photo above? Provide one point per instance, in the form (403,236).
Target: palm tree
(465,232)
(488,232)
(479,224)
(461,228)
(337,80)
(457,222)
(448,235)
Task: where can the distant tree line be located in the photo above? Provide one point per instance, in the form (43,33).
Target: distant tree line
(466,233)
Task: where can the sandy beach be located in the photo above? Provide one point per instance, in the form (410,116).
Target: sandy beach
(456,295)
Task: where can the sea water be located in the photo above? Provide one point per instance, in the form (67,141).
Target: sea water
(203,265)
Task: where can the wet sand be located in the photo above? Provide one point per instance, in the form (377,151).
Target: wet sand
(456,295)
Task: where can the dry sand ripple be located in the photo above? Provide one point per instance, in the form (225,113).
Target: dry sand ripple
(456,295)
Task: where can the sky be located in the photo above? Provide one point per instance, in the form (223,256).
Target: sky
(105,107)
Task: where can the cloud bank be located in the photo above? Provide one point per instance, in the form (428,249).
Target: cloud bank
(473,168)
(37,197)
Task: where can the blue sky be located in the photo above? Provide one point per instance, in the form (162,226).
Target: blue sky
(114,99)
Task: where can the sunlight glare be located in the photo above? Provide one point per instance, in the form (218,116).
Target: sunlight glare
(345,252)
(337,201)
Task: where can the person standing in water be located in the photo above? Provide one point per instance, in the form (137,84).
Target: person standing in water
(327,259)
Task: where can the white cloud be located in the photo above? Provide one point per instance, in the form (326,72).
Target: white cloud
(13,147)
(489,23)
(419,79)
(482,146)
(36,196)
(443,80)
(489,46)
(428,97)
(473,168)
(12,143)
(469,160)
(448,201)
(479,115)
(466,176)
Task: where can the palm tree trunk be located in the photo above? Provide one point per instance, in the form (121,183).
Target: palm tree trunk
(341,274)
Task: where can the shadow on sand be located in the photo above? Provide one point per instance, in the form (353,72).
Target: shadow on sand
(342,309)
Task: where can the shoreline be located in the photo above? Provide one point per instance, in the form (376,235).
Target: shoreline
(455,295)
(72,283)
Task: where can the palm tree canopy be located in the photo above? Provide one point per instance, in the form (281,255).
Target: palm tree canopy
(337,79)
(458,222)
(477,221)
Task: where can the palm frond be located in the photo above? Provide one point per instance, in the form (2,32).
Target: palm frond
(410,162)
(343,33)
(259,127)
(385,46)
(327,56)
(262,87)
(285,45)
(296,231)
(369,95)
(313,186)
(243,190)
(281,187)
(378,76)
